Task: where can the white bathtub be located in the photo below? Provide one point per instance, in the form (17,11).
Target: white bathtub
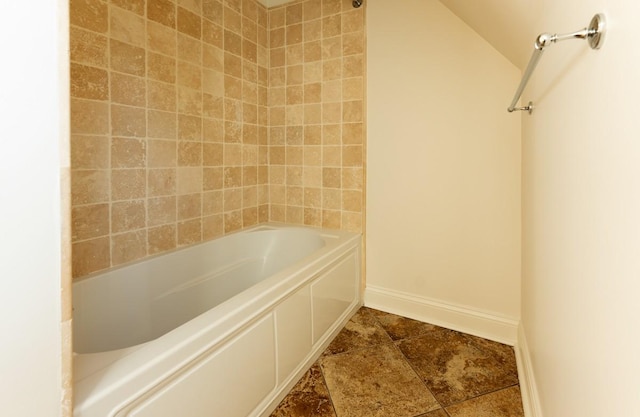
(224,328)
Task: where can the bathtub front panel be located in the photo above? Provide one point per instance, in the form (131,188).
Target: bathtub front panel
(333,293)
(293,318)
(217,384)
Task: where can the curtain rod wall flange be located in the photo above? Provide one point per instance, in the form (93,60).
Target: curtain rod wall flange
(594,34)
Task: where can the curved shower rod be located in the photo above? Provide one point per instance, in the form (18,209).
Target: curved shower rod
(594,34)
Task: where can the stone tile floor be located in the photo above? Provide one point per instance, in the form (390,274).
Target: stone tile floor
(382,364)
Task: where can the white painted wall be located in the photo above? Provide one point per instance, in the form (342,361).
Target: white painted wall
(443,161)
(30,361)
(581,217)
(506,25)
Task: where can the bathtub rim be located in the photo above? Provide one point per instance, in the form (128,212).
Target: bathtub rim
(256,228)
(150,361)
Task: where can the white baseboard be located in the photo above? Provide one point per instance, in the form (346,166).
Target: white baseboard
(528,387)
(456,317)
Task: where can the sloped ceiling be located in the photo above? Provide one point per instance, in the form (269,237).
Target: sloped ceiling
(505,24)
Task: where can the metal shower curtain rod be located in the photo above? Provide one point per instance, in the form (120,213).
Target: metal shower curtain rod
(594,34)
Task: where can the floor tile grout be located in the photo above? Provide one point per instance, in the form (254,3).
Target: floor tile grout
(324,381)
(421,380)
(355,350)
(409,362)
(483,394)
(393,341)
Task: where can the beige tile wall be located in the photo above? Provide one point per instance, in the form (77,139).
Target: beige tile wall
(195,118)
(168,125)
(316,105)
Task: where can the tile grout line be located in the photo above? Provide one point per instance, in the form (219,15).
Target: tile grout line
(407,362)
(420,379)
(483,394)
(357,349)
(418,376)
(324,381)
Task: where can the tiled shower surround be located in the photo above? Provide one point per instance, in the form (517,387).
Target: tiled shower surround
(316,113)
(195,118)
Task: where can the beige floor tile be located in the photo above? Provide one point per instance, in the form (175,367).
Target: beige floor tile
(361,331)
(504,403)
(456,367)
(375,381)
(399,327)
(309,398)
